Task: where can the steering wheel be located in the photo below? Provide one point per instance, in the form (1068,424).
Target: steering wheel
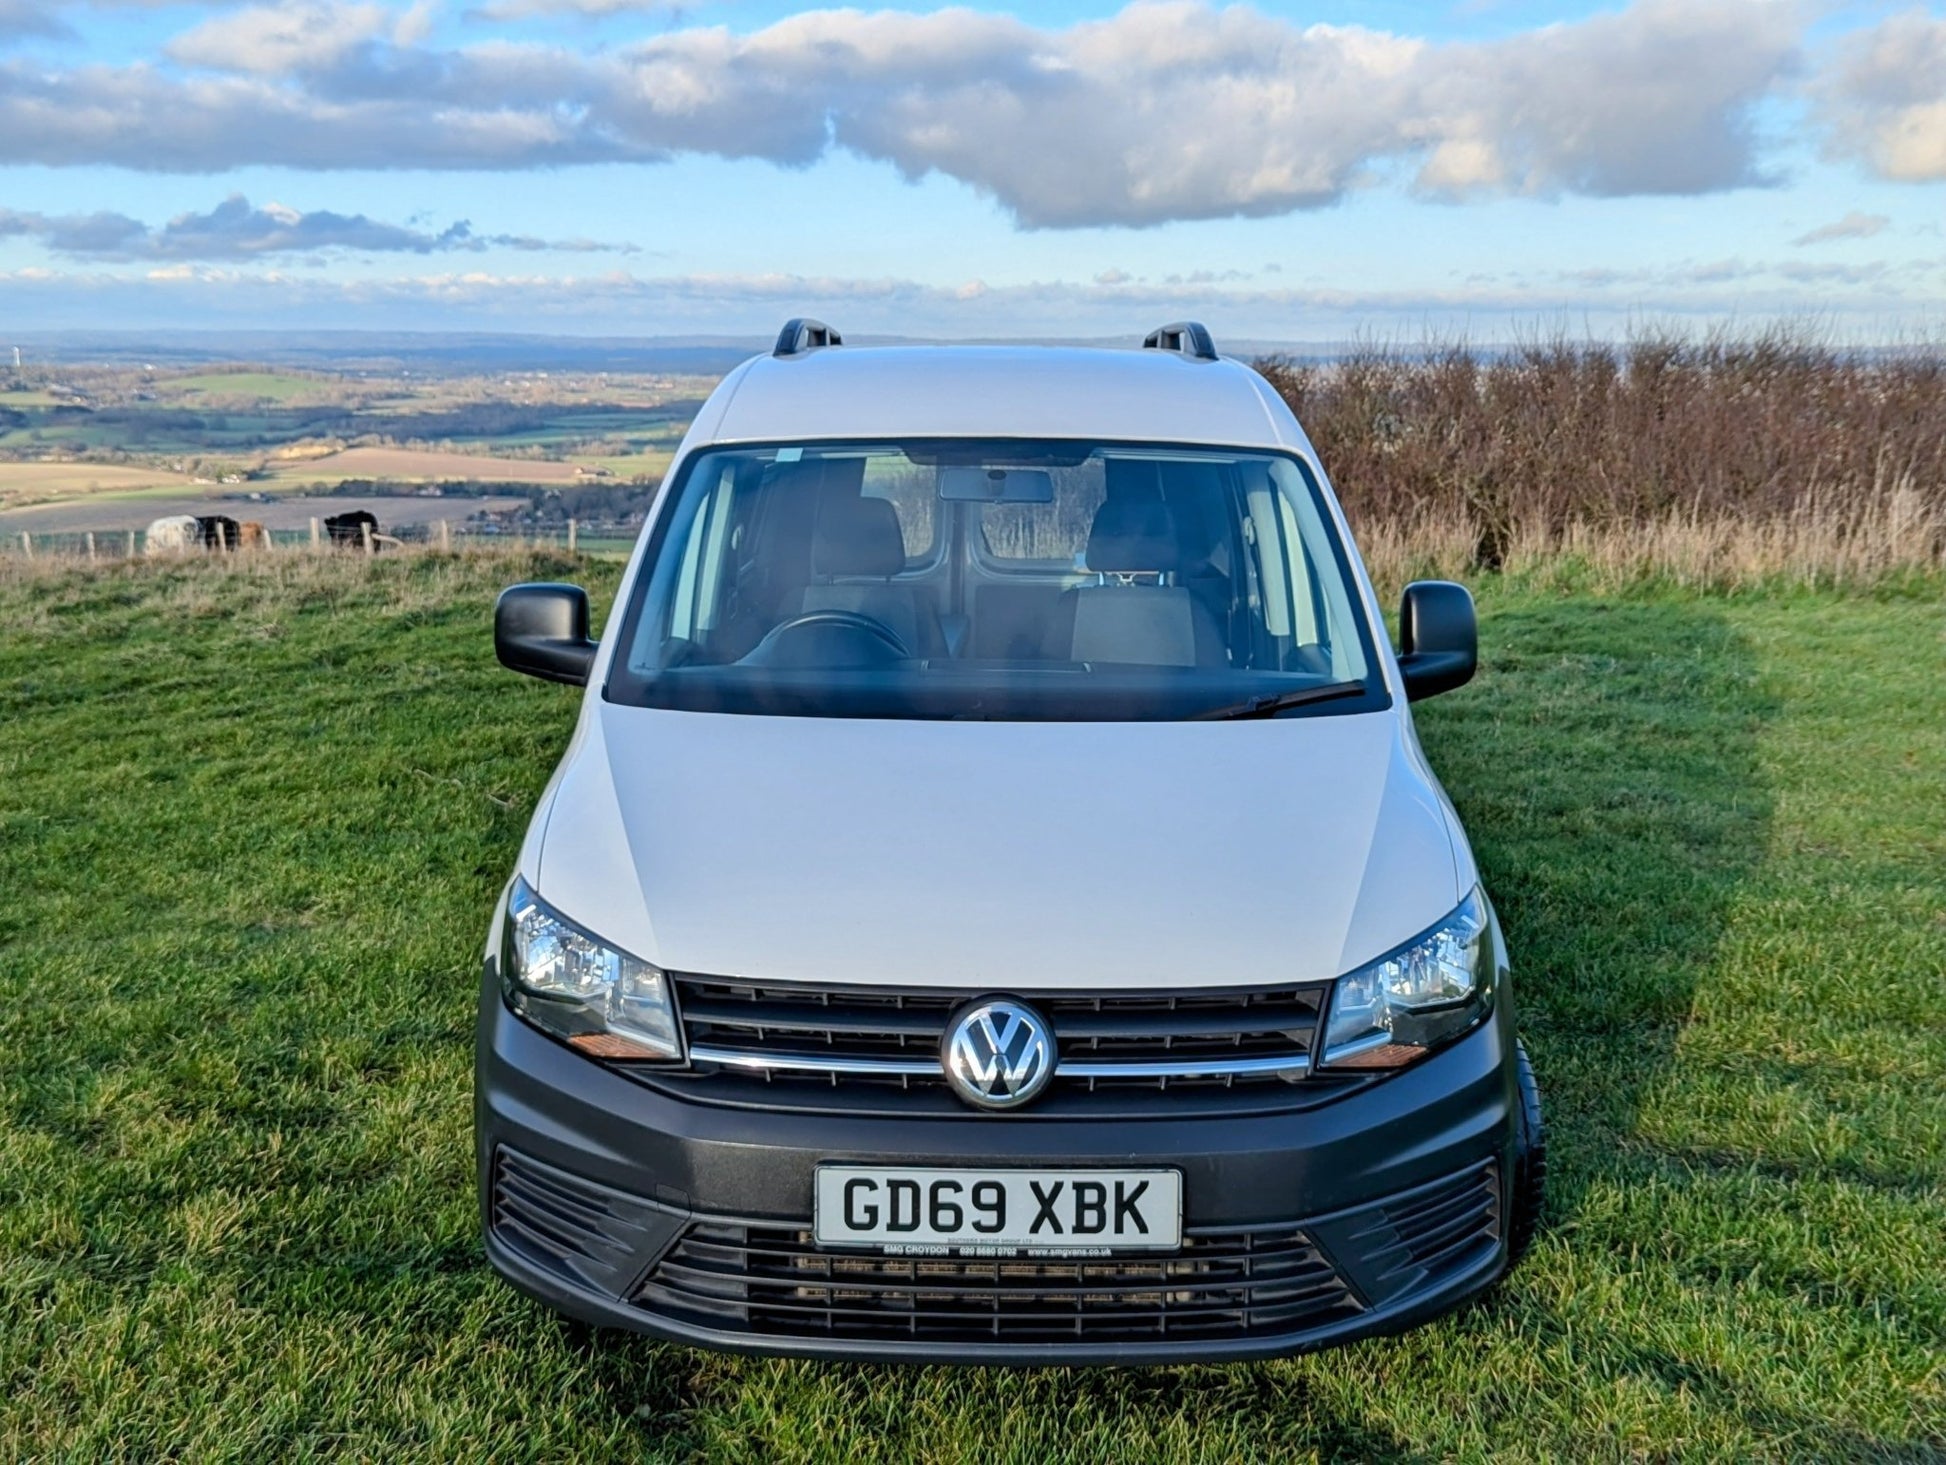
(850,620)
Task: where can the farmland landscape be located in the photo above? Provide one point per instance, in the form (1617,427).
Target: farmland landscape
(258,807)
(109,447)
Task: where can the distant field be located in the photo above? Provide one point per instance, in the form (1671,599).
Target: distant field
(22,483)
(409,465)
(627,466)
(46,486)
(244,907)
(270,386)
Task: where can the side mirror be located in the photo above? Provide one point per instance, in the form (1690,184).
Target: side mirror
(1439,638)
(542,630)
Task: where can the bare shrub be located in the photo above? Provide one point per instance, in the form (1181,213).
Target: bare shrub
(1718,460)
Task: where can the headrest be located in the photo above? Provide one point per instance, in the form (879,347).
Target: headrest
(1134,536)
(857,536)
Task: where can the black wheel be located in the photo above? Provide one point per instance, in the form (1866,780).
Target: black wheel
(1530,1162)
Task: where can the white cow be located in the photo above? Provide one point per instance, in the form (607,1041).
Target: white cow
(173,535)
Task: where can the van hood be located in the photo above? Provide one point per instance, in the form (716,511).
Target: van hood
(995,855)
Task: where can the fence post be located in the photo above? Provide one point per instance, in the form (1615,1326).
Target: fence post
(27,543)
(131,544)
(571,535)
(91,546)
(445,535)
(365,530)
(314,531)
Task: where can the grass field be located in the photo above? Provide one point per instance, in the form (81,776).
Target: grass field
(31,483)
(413,465)
(257,385)
(650,464)
(28,484)
(254,817)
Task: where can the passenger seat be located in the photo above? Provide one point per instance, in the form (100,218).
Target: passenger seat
(1130,624)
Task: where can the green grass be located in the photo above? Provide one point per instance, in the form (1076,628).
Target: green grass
(263,385)
(650,464)
(252,819)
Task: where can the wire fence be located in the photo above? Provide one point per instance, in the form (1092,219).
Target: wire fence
(98,545)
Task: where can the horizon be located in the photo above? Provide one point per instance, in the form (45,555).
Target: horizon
(712,354)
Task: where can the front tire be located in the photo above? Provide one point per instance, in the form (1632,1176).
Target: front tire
(1530,1162)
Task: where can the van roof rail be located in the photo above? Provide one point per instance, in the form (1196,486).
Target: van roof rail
(801,334)
(1185,337)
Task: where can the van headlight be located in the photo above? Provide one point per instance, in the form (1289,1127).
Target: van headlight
(567,982)
(1428,992)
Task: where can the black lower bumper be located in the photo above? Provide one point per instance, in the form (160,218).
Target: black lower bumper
(620,1205)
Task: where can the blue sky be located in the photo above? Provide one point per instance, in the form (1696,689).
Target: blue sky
(1285,172)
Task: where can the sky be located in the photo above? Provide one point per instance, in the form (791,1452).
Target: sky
(1284,172)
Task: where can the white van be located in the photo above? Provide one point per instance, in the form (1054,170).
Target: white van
(994,906)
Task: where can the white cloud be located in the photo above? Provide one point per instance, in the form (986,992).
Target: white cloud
(1854,225)
(1884,98)
(23,18)
(1164,111)
(234,230)
(617,302)
(275,40)
(589,9)
(1664,280)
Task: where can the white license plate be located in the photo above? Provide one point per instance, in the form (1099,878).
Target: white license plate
(985,1211)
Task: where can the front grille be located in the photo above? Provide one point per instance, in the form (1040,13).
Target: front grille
(889,1038)
(774,1281)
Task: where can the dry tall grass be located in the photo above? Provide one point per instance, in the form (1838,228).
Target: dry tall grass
(1722,461)
(262,587)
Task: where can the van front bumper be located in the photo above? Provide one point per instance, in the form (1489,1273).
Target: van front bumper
(622,1206)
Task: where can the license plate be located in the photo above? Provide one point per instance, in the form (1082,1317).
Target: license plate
(991,1211)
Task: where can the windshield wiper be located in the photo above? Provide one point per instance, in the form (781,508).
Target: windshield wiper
(1273,703)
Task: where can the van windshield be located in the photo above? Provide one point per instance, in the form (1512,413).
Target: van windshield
(1004,579)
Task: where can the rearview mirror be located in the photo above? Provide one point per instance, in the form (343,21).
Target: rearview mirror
(542,630)
(1439,638)
(974,484)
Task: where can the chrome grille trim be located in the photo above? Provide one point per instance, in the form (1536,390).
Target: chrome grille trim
(1292,1066)
(867,1048)
(813,1063)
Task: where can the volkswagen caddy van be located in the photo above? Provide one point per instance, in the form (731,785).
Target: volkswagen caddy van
(993,906)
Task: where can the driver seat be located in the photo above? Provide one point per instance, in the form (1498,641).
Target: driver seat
(857,548)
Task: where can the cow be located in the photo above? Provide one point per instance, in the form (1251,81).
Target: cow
(220,531)
(348,530)
(255,536)
(173,535)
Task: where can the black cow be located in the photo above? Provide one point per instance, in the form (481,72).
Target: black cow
(348,530)
(219,531)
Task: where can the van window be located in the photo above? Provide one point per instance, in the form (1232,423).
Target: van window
(1135,581)
(909,490)
(1049,536)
